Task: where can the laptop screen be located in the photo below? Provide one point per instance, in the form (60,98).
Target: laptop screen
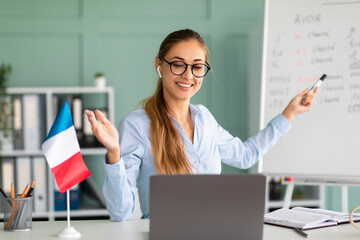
(207,206)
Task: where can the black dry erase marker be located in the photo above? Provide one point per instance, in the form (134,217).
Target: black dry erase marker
(318,83)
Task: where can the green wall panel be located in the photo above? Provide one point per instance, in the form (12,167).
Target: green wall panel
(39,8)
(41,60)
(232,85)
(244,9)
(128,62)
(154,9)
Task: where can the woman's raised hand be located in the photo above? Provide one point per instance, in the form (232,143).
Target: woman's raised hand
(106,133)
(300,103)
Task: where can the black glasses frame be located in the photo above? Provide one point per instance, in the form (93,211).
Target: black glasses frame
(186,67)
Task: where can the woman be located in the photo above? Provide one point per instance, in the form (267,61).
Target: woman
(171,136)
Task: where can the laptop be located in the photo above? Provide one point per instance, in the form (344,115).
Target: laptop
(195,207)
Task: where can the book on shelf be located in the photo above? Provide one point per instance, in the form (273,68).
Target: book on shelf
(17,124)
(33,121)
(307,218)
(40,175)
(8,173)
(60,198)
(27,123)
(22,173)
(6,134)
(82,126)
(7,177)
(75,197)
(77,112)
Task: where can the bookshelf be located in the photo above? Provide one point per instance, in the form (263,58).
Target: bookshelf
(303,195)
(91,98)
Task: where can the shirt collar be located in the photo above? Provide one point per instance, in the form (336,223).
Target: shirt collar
(193,111)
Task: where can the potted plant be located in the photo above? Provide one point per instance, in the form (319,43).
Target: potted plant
(5,112)
(100,80)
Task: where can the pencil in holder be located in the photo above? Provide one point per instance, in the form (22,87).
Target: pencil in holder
(17,213)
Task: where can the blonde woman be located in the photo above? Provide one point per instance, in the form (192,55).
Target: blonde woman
(168,135)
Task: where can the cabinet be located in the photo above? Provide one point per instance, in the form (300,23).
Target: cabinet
(304,195)
(43,119)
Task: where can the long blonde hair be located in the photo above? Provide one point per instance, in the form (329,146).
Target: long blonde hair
(167,145)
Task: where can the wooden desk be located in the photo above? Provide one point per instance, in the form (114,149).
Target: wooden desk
(139,230)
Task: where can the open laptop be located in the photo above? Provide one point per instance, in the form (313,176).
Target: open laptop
(207,207)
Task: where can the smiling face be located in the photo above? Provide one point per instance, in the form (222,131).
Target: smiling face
(181,87)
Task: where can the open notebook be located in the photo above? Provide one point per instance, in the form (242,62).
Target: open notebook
(307,218)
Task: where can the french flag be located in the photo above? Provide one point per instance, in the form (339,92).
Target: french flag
(62,151)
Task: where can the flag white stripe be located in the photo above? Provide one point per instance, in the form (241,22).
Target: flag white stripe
(61,147)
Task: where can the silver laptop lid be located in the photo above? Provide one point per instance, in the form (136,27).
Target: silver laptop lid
(207,207)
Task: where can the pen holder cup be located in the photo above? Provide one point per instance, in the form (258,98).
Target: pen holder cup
(17,213)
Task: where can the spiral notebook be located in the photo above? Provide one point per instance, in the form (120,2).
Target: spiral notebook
(307,218)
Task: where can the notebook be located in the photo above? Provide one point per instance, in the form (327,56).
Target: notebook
(307,218)
(207,207)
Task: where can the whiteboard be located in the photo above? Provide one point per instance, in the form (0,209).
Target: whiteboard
(304,39)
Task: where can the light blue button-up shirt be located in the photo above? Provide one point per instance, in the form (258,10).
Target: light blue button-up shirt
(212,145)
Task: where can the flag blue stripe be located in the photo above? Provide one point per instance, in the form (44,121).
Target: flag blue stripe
(62,122)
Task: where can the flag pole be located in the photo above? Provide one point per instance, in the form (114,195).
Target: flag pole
(68,207)
(60,163)
(68,231)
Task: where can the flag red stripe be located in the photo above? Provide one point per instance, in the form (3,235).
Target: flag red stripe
(70,172)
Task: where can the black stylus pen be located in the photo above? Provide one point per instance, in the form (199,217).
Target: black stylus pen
(301,232)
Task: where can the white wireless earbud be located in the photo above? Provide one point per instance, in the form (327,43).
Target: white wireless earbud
(158,71)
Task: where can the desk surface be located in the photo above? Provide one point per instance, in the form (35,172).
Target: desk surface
(139,230)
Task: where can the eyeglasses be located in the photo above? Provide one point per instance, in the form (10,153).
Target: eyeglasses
(178,68)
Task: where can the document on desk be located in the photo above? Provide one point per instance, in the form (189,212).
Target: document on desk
(306,218)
